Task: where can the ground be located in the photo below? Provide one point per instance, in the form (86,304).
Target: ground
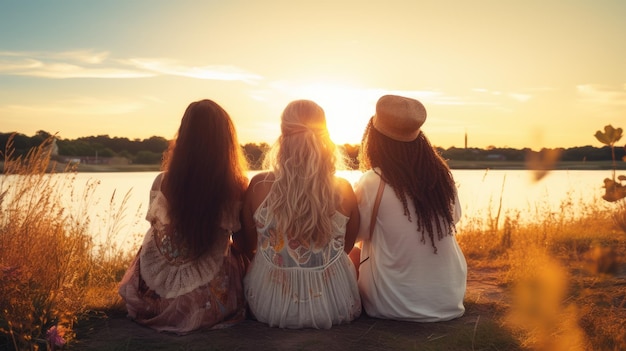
(478,329)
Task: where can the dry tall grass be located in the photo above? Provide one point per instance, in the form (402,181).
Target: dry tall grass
(50,270)
(564,272)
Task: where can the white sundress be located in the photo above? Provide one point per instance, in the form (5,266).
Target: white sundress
(400,277)
(290,285)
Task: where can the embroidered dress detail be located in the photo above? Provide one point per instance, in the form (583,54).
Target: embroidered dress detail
(165,290)
(166,268)
(290,284)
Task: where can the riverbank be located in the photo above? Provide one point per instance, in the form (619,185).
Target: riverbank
(519,165)
(480,328)
(486,324)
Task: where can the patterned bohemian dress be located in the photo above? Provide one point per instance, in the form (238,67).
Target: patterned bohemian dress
(166,291)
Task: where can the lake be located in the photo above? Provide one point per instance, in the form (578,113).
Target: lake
(480,194)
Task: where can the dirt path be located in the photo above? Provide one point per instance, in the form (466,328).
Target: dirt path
(478,329)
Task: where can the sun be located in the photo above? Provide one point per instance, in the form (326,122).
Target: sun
(348,108)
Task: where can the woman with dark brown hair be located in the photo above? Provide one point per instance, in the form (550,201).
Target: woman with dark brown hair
(411,266)
(189,270)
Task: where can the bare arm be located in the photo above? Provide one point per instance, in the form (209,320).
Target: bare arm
(255,194)
(350,208)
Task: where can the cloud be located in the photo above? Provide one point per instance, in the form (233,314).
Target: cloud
(62,65)
(171,67)
(98,64)
(520,97)
(86,56)
(77,107)
(602,94)
(34,68)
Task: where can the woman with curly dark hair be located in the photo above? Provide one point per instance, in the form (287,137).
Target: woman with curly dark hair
(187,274)
(411,266)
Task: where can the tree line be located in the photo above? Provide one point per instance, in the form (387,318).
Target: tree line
(150,150)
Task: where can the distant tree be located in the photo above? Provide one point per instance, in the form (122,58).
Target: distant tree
(463,154)
(254,153)
(352,152)
(106,152)
(125,154)
(21,143)
(75,148)
(39,138)
(148,158)
(155,144)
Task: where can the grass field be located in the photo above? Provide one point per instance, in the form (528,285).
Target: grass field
(558,284)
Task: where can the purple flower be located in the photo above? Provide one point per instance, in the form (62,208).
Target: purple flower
(55,336)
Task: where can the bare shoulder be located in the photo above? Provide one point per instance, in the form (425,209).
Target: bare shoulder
(259,179)
(344,185)
(348,199)
(258,189)
(156,184)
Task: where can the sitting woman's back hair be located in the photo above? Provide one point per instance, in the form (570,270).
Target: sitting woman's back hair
(205,176)
(303,197)
(415,171)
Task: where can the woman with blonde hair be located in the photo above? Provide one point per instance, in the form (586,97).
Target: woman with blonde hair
(411,266)
(300,222)
(187,274)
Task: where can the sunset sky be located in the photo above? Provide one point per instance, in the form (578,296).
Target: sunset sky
(528,73)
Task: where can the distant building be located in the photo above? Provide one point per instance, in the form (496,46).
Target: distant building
(466,139)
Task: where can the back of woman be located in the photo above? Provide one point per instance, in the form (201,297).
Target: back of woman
(411,267)
(186,275)
(301,221)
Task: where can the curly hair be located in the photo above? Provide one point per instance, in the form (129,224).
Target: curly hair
(303,160)
(416,172)
(205,176)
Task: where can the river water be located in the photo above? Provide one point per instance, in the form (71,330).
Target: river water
(482,194)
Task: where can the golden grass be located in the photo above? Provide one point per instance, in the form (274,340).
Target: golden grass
(564,272)
(50,270)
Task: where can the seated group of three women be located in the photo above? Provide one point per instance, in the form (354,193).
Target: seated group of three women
(283,244)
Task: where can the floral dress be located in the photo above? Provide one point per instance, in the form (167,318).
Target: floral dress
(290,284)
(166,291)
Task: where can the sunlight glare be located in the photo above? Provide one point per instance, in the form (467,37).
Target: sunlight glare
(347,108)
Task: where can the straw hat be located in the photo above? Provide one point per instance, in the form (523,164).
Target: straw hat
(399,118)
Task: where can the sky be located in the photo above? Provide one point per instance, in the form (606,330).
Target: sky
(527,73)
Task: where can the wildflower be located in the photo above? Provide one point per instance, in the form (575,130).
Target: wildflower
(54,336)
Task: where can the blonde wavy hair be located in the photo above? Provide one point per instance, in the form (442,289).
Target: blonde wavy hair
(303,197)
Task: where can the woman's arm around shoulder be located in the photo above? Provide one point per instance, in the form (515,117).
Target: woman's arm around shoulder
(349,208)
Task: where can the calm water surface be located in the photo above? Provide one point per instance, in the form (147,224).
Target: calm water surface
(481,194)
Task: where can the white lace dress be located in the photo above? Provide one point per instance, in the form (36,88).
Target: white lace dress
(290,285)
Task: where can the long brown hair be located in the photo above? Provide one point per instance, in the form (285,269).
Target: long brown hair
(415,171)
(204,176)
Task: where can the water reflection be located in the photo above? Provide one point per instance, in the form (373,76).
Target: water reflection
(482,193)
